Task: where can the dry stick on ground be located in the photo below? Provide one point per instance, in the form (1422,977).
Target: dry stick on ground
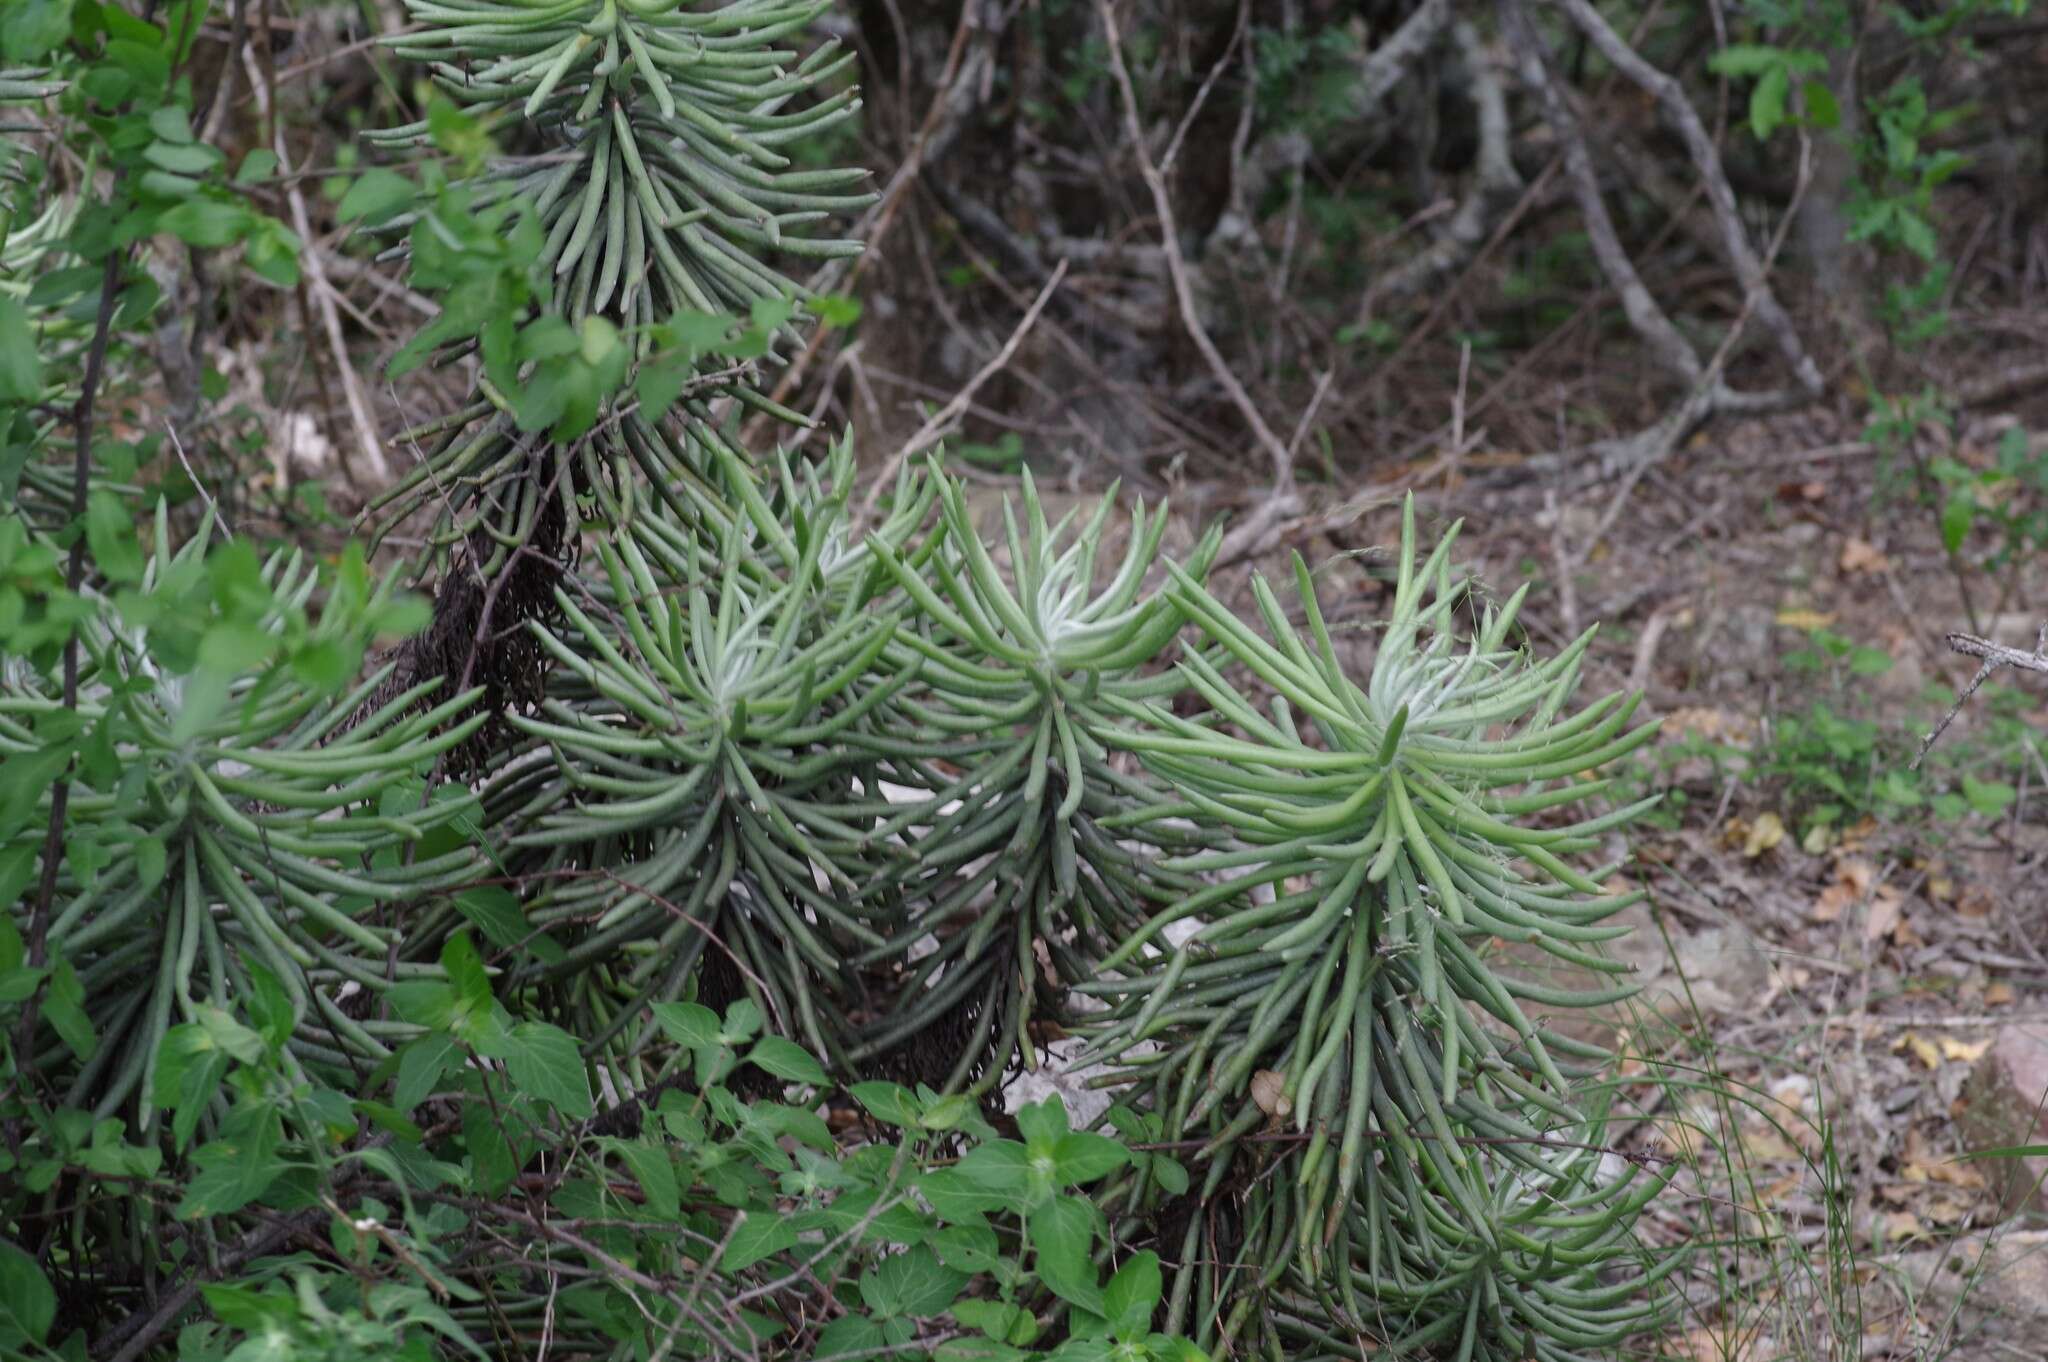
(935,425)
(359,411)
(1995,656)
(1283,500)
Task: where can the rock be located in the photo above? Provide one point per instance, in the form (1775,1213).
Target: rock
(1057,1076)
(2005,1103)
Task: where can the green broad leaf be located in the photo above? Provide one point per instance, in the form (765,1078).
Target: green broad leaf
(1000,1320)
(786,1060)
(18,866)
(1957,515)
(1062,1232)
(687,1024)
(151,861)
(974,1249)
(544,1063)
(270,1007)
(189,1070)
(34,28)
(59,287)
(759,1234)
(492,1164)
(548,338)
(186,158)
(229,1036)
(1132,1296)
(835,310)
(1767,102)
(742,1021)
(850,1338)
(956,1196)
(1043,1122)
(21,366)
(206,223)
(424,1002)
(911,1285)
(1746,59)
(1917,234)
(769,313)
(257,166)
(494,910)
(466,974)
(64,1009)
(972,1349)
(377,196)
(273,252)
(324,664)
(655,1171)
(1988,797)
(110,531)
(254,1312)
(233,1172)
(1823,110)
(660,381)
(890,1103)
(1081,1157)
(698,331)
(947,1113)
(172,124)
(28,1305)
(999,1165)
(420,1067)
(389,1118)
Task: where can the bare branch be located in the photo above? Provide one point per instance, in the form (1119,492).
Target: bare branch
(1995,656)
(1177,265)
(359,411)
(1750,271)
(936,424)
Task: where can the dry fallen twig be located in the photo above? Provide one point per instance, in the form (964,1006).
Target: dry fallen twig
(1995,655)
